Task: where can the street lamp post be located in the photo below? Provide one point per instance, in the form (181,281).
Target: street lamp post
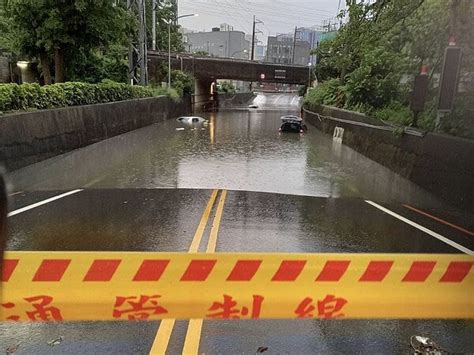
(169,43)
(309,76)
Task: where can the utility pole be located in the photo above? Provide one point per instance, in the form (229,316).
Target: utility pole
(294,45)
(252,52)
(143,45)
(169,55)
(253,39)
(153,26)
(137,54)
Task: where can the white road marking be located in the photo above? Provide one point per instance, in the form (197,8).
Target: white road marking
(278,98)
(93,182)
(37,204)
(259,99)
(423,229)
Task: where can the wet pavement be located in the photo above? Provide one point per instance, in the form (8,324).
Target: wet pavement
(146,191)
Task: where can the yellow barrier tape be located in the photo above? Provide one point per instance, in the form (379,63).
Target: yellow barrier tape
(136,285)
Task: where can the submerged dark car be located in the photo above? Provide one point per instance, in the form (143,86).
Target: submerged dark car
(293,124)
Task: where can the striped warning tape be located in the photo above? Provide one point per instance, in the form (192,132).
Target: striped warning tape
(52,270)
(113,285)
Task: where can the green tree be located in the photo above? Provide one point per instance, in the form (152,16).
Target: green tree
(58,31)
(381,47)
(165,13)
(6,38)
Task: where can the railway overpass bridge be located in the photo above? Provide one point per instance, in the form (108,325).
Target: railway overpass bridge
(207,70)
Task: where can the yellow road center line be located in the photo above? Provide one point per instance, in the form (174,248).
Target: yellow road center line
(193,337)
(193,334)
(162,338)
(211,245)
(202,224)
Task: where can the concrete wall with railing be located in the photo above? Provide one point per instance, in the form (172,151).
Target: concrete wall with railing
(441,164)
(29,137)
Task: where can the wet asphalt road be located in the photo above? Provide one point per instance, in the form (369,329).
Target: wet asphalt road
(146,191)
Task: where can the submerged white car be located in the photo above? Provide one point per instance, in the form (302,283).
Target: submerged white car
(191,119)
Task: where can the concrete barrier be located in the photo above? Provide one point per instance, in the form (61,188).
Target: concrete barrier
(29,137)
(441,164)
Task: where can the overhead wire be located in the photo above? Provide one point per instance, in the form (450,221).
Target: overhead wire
(270,20)
(245,8)
(267,18)
(284,7)
(264,10)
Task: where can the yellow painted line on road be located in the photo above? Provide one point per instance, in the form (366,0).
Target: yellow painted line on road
(202,224)
(193,334)
(211,245)
(162,338)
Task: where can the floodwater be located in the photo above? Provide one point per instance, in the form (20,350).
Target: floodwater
(237,150)
(146,190)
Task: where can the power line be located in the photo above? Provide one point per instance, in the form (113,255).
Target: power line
(266,18)
(294,5)
(265,10)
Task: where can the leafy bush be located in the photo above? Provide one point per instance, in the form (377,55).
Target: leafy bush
(173,94)
(396,113)
(302,90)
(328,93)
(375,83)
(182,82)
(94,66)
(14,97)
(226,87)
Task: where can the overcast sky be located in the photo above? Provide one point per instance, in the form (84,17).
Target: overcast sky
(279,16)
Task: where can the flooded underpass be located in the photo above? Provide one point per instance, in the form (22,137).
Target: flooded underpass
(146,191)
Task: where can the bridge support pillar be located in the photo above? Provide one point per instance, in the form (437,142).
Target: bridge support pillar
(202,94)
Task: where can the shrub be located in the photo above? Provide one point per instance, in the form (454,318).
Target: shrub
(375,83)
(182,82)
(14,97)
(329,93)
(396,113)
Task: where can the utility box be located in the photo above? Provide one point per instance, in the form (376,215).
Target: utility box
(449,79)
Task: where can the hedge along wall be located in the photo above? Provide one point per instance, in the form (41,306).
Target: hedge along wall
(441,164)
(29,137)
(28,97)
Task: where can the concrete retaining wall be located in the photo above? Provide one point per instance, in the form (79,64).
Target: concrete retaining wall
(26,138)
(443,165)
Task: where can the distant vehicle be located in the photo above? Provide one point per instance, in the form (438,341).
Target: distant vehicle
(293,124)
(253,106)
(191,119)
